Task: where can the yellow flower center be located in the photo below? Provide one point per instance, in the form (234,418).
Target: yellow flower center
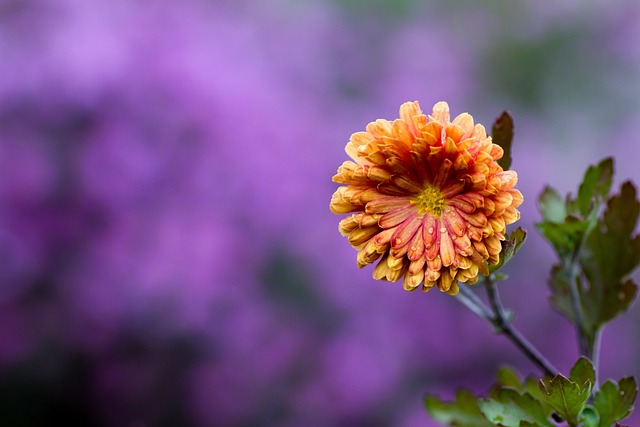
(430,200)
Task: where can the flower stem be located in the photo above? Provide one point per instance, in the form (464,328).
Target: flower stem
(503,325)
(497,317)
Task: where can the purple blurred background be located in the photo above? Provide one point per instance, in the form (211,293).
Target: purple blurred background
(167,253)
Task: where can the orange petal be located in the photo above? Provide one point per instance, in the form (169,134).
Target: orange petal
(396,216)
(386,204)
(406,231)
(447,250)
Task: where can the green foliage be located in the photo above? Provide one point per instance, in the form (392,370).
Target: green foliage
(463,412)
(566,397)
(502,134)
(614,401)
(510,247)
(592,235)
(509,408)
(548,402)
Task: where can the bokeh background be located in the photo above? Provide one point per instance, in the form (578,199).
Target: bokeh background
(167,255)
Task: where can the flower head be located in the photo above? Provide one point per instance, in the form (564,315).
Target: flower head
(428,199)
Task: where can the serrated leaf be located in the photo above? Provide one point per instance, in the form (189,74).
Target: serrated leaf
(566,397)
(583,371)
(614,401)
(502,134)
(551,205)
(462,412)
(610,255)
(509,408)
(510,246)
(595,186)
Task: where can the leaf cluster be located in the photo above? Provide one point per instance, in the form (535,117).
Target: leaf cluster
(592,234)
(548,402)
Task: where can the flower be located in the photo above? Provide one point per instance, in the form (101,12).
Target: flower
(427,197)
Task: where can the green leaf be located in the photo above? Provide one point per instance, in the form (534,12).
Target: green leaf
(563,236)
(502,134)
(595,186)
(610,255)
(507,377)
(552,206)
(590,417)
(614,401)
(463,412)
(566,397)
(510,247)
(560,292)
(583,372)
(509,408)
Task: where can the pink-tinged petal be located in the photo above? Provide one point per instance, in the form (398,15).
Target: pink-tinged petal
(447,250)
(383,239)
(465,121)
(460,203)
(454,222)
(441,112)
(416,247)
(396,216)
(386,204)
(431,235)
(408,111)
(452,188)
(406,231)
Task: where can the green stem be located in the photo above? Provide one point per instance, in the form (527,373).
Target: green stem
(497,317)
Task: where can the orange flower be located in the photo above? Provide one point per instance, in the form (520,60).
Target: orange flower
(428,198)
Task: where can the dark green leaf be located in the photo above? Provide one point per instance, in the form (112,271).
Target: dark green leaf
(561,292)
(552,206)
(610,255)
(508,408)
(502,134)
(595,186)
(463,412)
(583,372)
(566,397)
(614,401)
(510,247)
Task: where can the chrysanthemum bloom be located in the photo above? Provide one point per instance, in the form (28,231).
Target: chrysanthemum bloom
(428,197)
